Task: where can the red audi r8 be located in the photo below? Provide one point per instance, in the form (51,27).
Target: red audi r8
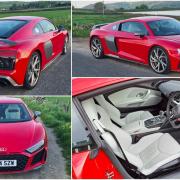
(126,128)
(150,40)
(23,139)
(27,46)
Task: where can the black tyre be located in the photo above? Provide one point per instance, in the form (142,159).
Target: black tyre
(96,48)
(33,71)
(159,60)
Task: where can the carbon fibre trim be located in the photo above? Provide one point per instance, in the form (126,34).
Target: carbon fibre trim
(110,40)
(48,48)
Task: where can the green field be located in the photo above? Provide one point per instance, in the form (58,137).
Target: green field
(82,23)
(58,17)
(56,114)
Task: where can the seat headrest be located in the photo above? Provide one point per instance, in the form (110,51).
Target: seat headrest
(12,112)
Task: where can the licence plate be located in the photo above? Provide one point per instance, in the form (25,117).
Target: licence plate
(8,163)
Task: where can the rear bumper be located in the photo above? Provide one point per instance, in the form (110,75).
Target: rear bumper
(25,161)
(16,76)
(8,80)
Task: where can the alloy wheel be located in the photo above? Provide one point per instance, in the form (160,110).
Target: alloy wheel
(96,47)
(34,70)
(159,60)
(66,45)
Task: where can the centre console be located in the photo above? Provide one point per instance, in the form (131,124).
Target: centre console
(154,122)
(147,125)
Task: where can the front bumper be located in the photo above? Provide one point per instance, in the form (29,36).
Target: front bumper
(25,161)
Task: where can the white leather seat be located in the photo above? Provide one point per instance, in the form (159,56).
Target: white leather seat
(115,114)
(148,154)
(12,112)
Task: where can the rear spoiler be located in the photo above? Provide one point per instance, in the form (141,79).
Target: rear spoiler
(98,26)
(8,42)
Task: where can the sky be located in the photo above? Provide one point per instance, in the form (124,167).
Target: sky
(82,3)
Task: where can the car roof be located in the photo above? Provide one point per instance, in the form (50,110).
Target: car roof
(29,18)
(12,100)
(83,85)
(149,18)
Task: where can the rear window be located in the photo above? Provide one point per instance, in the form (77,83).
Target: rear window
(9,27)
(13,113)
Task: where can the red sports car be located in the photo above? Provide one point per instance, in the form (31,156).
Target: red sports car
(23,139)
(126,128)
(153,41)
(27,46)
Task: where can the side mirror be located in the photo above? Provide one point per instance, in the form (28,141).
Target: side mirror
(61,28)
(37,114)
(139,35)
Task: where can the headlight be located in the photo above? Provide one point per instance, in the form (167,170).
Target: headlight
(35,147)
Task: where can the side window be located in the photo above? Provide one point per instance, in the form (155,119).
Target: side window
(115,27)
(37,29)
(81,137)
(47,26)
(134,27)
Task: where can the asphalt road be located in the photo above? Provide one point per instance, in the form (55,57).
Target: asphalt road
(54,80)
(85,65)
(53,169)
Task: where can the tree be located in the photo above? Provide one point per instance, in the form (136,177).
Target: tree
(99,7)
(142,7)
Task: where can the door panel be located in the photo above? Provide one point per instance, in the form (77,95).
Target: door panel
(99,167)
(58,41)
(135,97)
(88,162)
(132,47)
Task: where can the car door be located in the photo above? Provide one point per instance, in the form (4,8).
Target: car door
(88,161)
(136,98)
(52,38)
(132,41)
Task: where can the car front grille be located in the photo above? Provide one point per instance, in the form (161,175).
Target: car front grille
(21,162)
(39,157)
(7,63)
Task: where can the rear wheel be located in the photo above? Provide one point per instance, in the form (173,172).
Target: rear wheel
(33,71)
(159,61)
(96,48)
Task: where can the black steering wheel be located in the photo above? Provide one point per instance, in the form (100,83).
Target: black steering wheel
(173,110)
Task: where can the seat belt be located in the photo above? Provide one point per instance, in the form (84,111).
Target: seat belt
(102,130)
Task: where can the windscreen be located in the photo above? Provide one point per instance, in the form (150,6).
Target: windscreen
(9,27)
(165,27)
(13,113)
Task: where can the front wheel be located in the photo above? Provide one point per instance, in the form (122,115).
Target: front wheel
(159,61)
(33,71)
(65,46)
(96,48)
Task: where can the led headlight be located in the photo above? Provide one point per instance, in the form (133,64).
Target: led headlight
(36,147)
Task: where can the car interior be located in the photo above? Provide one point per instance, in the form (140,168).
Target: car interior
(141,125)
(13,113)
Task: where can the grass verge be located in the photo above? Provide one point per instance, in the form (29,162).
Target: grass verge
(83,23)
(58,17)
(56,114)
